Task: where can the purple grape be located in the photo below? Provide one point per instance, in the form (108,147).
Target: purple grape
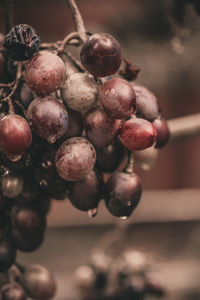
(75,158)
(101,130)
(48,117)
(122,194)
(137,134)
(162,130)
(85,194)
(118,98)
(101,55)
(146,103)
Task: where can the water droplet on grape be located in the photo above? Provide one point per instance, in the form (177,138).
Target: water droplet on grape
(92,212)
(123,218)
(14,158)
(43,183)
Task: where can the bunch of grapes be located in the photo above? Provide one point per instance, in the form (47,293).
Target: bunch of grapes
(61,131)
(129,276)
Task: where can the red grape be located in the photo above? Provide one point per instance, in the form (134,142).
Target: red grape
(122,194)
(75,158)
(137,134)
(146,103)
(85,194)
(162,130)
(45,73)
(118,98)
(15,136)
(48,117)
(101,55)
(101,130)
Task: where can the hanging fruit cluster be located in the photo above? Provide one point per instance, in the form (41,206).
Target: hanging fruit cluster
(61,129)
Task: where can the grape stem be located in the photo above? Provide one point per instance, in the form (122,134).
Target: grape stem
(130,165)
(78,20)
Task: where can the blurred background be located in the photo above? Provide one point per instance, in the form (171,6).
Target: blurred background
(165,43)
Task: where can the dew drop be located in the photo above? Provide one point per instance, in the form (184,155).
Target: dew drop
(123,218)
(92,212)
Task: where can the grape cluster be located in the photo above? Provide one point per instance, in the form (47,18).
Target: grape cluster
(60,132)
(130,275)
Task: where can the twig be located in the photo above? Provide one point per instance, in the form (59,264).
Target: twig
(69,37)
(78,20)
(184,127)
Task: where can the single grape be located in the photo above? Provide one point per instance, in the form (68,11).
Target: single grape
(48,117)
(85,194)
(38,282)
(25,241)
(45,73)
(27,220)
(26,95)
(145,158)
(162,130)
(13,291)
(101,130)
(137,134)
(80,92)
(118,98)
(12,185)
(15,136)
(146,103)
(7,255)
(75,126)
(122,194)
(101,55)
(109,158)
(75,158)
(22,42)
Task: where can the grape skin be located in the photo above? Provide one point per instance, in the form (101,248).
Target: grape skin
(101,130)
(101,55)
(15,135)
(48,117)
(118,98)
(75,158)
(45,73)
(137,134)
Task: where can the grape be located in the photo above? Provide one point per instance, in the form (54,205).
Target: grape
(26,95)
(145,158)
(118,98)
(84,278)
(12,185)
(75,158)
(48,117)
(146,103)
(39,282)
(85,194)
(101,55)
(45,73)
(24,241)
(7,255)
(22,42)
(109,158)
(75,126)
(27,220)
(137,134)
(15,136)
(122,194)
(80,92)
(13,291)
(162,130)
(101,130)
